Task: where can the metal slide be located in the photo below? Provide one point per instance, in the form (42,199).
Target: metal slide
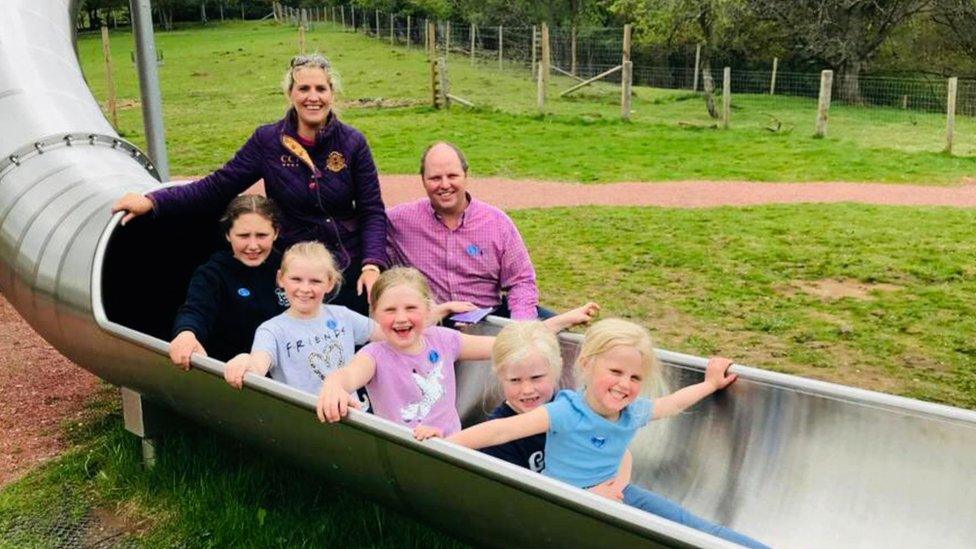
(789,461)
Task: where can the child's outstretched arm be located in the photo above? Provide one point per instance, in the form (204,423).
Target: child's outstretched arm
(258,362)
(500,431)
(715,379)
(334,401)
(479,347)
(572,317)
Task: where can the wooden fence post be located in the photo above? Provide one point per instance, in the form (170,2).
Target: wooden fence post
(377,17)
(572,52)
(772,79)
(694,85)
(447,40)
(823,104)
(342,12)
(500,46)
(111,103)
(626,77)
(408,31)
(950,113)
(301,39)
(392,37)
(472,33)
(534,72)
(543,76)
(431,38)
(726,97)
(444,83)
(353,17)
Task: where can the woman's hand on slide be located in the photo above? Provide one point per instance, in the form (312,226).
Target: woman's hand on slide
(134,205)
(184,345)
(235,370)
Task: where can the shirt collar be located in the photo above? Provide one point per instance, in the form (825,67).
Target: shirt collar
(437,217)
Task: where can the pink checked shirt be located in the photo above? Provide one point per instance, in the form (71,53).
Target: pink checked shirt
(476,262)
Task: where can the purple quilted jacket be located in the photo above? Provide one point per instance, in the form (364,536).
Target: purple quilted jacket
(342,207)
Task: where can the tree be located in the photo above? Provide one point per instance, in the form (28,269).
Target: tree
(845,34)
(707,22)
(959,18)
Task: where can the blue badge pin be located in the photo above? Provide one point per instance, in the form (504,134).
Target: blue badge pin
(244,292)
(331,324)
(433,356)
(473,250)
(598,441)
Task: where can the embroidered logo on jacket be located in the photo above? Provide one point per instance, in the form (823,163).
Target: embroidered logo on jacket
(289,161)
(336,162)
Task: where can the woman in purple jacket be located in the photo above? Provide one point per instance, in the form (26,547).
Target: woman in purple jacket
(318,170)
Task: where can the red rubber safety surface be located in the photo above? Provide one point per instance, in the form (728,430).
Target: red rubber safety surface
(40,389)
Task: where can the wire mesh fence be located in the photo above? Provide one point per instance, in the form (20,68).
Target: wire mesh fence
(497,67)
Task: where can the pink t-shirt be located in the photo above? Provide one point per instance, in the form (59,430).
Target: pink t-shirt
(417,389)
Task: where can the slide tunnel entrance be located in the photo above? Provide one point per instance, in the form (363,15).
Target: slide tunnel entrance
(147,268)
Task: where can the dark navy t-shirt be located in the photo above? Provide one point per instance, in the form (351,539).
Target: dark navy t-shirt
(529,452)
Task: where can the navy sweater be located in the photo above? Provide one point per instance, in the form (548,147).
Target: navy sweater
(227,301)
(528,452)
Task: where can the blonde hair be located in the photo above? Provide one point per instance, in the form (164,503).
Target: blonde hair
(313,251)
(518,341)
(614,332)
(400,276)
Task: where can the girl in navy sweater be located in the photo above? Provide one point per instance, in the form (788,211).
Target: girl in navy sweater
(235,290)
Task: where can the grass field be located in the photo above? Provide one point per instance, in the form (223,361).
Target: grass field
(221,82)
(878,297)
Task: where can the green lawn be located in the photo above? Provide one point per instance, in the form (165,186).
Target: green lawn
(220,82)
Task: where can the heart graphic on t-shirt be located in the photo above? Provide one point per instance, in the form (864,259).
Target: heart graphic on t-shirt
(598,441)
(328,361)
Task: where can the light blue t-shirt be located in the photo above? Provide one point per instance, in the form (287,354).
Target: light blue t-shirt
(584,448)
(305,351)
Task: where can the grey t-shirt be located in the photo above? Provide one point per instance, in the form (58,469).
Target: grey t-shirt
(305,351)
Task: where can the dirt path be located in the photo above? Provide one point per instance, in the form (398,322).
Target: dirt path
(512,194)
(40,389)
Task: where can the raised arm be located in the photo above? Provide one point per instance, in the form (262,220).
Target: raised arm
(476,347)
(715,380)
(334,401)
(573,317)
(500,431)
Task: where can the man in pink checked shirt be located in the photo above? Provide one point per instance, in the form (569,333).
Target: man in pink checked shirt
(468,250)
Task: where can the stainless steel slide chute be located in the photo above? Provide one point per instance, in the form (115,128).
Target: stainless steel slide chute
(789,461)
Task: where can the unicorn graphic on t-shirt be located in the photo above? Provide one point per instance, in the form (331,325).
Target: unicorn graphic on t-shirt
(431,391)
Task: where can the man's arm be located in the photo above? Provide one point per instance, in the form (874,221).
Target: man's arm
(517,276)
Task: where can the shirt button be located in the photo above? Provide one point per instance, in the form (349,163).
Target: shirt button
(328,220)
(312,185)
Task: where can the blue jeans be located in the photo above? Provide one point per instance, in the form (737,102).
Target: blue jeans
(645,500)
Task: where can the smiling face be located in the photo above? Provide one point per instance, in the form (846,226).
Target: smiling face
(528,383)
(311,96)
(401,312)
(613,380)
(251,237)
(445,180)
(306,282)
